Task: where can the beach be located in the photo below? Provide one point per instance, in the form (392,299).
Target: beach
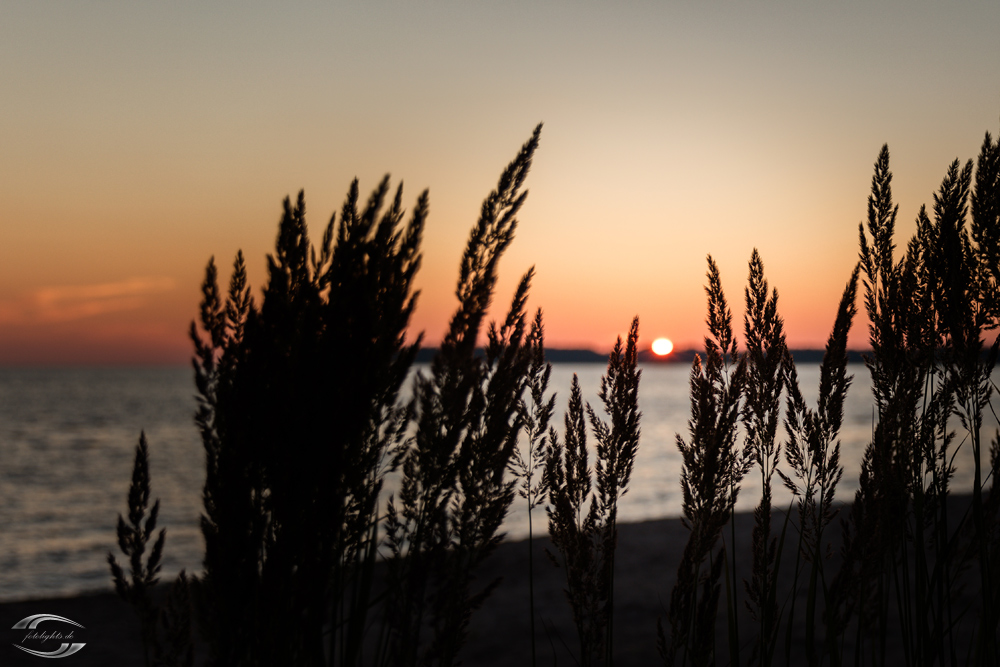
(646,562)
(647,557)
(499,633)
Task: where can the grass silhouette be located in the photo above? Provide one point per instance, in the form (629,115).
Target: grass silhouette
(583,507)
(309,561)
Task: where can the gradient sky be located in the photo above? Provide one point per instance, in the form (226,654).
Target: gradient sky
(139,139)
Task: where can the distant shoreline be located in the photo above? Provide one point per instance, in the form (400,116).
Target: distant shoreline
(585,356)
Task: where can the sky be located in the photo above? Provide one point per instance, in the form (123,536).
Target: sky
(137,140)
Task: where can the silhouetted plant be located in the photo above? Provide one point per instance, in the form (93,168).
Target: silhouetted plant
(301,422)
(573,524)
(962,280)
(297,412)
(927,313)
(813,455)
(962,297)
(536,412)
(133,538)
(617,445)
(712,469)
(174,648)
(902,458)
(583,513)
(766,364)
(453,494)
(482,494)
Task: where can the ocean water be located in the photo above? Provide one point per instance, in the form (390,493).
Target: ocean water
(68,436)
(67,445)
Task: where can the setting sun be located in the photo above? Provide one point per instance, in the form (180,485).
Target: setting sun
(662,346)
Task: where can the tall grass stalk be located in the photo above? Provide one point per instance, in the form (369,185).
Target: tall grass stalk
(301,421)
(573,523)
(327,345)
(713,468)
(766,355)
(912,407)
(812,453)
(300,418)
(617,445)
(453,495)
(583,508)
(133,539)
(166,631)
(963,292)
(536,412)
(928,313)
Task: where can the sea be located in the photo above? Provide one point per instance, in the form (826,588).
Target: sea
(68,438)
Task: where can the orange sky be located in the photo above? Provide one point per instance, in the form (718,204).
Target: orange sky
(138,141)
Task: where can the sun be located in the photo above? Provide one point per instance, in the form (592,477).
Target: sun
(662,346)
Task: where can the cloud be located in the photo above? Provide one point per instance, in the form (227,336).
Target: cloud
(73,302)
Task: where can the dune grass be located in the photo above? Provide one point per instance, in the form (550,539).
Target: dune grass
(301,418)
(895,594)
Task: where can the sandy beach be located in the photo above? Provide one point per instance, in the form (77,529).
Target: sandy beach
(500,630)
(647,558)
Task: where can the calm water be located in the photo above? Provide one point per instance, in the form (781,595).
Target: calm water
(67,441)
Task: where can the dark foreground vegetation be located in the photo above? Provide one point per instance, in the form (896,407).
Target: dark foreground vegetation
(309,561)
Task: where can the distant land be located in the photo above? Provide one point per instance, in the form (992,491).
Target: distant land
(584,356)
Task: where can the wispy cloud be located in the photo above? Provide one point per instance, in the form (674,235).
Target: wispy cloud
(73,302)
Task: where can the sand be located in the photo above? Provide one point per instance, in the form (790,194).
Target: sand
(500,630)
(647,559)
